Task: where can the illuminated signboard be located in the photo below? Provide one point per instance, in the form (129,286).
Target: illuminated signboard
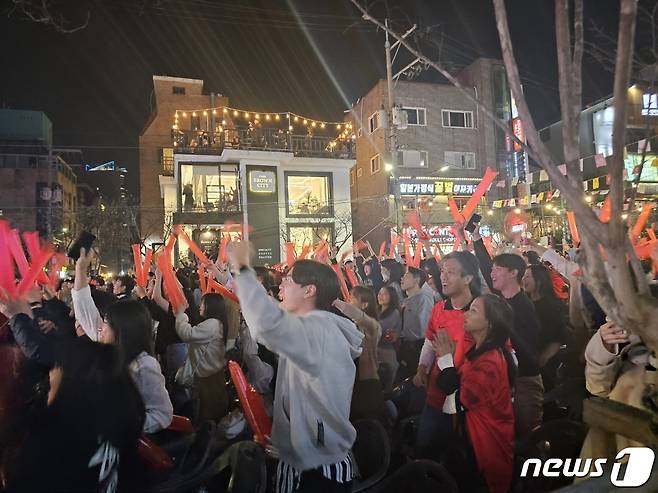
(438,187)
(517,129)
(441,233)
(650,104)
(262,181)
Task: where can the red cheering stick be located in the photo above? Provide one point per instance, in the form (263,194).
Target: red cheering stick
(382,250)
(34,249)
(418,254)
(481,189)
(56,263)
(652,234)
(169,246)
(36,270)
(571,219)
(437,253)
(137,258)
(198,253)
(172,287)
(16,248)
(321,253)
(341,281)
(641,221)
(454,211)
(306,249)
(606,210)
(413,218)
(215,287)
(252,404)
(7,281)
(290,253)
(351,277)
(358,246)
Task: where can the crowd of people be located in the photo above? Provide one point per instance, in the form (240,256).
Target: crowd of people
(93,366)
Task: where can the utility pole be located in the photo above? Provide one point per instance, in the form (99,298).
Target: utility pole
(392,137)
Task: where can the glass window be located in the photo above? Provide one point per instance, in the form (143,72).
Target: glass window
(308,234)
(195,123)
(458,119)
(415,116)
(374,122)
(308,194)
(178,90)
(460,160)
(209,188)
(412,159)
(375,164)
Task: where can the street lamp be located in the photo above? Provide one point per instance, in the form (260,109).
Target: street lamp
(388,167)
(445,168)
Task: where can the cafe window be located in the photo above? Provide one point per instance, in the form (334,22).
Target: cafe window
(195,123)
(308,194)
(310,234)
(209,188)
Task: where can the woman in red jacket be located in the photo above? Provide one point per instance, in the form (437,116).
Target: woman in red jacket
(484,391)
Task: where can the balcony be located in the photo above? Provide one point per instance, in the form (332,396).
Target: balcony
(262,139)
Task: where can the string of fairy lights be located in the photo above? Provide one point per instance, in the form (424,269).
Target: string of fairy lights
(257,117)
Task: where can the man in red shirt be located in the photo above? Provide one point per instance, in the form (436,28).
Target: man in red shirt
(460,284)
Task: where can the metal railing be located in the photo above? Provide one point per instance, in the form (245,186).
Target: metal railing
(261,139)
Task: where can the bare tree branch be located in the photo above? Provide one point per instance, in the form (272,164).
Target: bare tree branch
(38,11)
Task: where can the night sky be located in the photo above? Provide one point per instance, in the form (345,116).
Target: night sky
(95,84)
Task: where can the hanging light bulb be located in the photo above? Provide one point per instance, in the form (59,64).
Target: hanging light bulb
(338,127)
(214,112)
(184,114)
(321,125)
(194,113)
(289,127)
(296,118)
(313,124)
(257,116)
(223,122)
(235,113)
(277,117)
(246,115)
(490,212)
(267,117)
(205,113)
(305,122)
(224,110)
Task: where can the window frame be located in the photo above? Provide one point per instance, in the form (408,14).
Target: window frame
(374,118)
(421,151)
(417,109)
(352,178)
(178,90)
(222,168)
(359,172)
(330,191)
(463,154)
(375,159)
(464,112)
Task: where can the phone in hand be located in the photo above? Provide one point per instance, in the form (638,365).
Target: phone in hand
(475,219)
(85,240)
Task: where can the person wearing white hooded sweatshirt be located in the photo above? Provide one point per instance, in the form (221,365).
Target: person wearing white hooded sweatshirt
(311,431)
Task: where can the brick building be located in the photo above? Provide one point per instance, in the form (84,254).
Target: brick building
(38,188)
(156,151)
(443,147)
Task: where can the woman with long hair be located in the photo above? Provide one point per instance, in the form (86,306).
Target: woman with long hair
(551,313)
(390,320)
(362,309)
(204,367)
(86,437)
(127,325)
(484,385)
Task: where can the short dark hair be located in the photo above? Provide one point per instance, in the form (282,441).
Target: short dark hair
(132,325)
(511,261)
(418,274)
(470,267)
(102,300)
(309,272)
(395,268)
(128,282)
